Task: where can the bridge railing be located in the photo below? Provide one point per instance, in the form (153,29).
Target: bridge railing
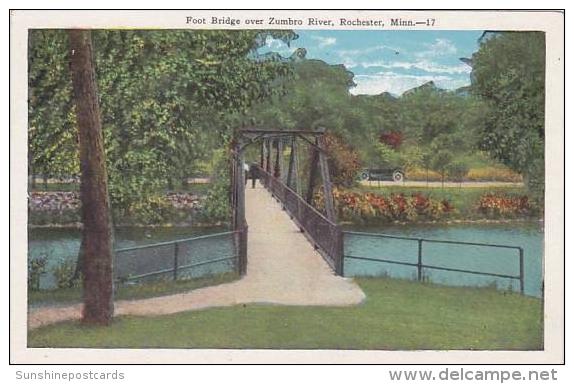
(325,235)
(184,258)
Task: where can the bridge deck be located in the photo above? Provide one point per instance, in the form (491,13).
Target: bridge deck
(283,268)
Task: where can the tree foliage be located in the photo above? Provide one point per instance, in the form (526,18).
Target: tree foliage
(166,98)
(508,72)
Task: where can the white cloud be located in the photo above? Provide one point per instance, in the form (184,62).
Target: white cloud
(397,83)
(324,41)
(362,51)
(440,47)
(423,65)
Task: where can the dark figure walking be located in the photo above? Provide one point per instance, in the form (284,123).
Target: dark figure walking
(253,174)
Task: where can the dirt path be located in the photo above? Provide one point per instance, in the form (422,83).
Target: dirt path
(283,268)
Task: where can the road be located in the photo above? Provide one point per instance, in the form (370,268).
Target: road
(447,184)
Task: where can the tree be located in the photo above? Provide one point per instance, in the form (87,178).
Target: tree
(458,170)
(440,162)
(165,99)
(96,218)
(508,73)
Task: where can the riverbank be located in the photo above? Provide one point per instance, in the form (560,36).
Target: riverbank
(396,315)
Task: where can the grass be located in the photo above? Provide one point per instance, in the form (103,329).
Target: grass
(463,199)
(129,292)
(397,315)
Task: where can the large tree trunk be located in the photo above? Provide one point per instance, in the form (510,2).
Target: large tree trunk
(97,257)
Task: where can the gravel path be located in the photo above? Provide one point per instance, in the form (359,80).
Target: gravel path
(283,268)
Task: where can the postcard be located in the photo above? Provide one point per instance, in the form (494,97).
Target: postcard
(288,186)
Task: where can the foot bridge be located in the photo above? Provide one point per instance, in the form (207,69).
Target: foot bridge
(278,171)
(278,255)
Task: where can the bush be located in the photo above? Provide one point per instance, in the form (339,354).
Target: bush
(493,174)
(344,164)
(395,207)
(216,206)
(502,205)
(64,273)
(36,268)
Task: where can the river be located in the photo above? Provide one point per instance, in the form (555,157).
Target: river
(61,244)
(503,261)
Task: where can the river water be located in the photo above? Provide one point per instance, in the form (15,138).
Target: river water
(503,261)
(61,244)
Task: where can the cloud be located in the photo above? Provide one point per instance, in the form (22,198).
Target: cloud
(440,47)
(397,83)
(276,45)
(423,65)
(324,41)
(362,51)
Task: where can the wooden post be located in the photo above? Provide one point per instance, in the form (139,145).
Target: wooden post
(268,160)
(240,192)
(98,251)
(262,155)
(312,173)
(277,168)
(327,187)
(291,163)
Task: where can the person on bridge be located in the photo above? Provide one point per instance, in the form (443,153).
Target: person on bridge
(253,174)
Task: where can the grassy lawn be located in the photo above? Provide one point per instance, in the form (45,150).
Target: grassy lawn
(463,199)
(397,315)
(128,292)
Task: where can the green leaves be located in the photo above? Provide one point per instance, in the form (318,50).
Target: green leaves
(508,72)
(166,98)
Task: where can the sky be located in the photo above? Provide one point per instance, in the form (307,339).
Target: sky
(390,61)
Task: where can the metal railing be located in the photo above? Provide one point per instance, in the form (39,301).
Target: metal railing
(325,235)
(175,258)
(420,266)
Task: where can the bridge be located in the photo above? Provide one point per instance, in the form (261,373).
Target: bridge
(287,250)
(297,200)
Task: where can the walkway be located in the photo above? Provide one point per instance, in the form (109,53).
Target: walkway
(283,268)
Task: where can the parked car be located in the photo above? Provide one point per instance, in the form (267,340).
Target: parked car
(382,174)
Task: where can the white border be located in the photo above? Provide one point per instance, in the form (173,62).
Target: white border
(551,23)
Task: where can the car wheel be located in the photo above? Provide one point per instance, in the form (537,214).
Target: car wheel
(365,176)
(398,176)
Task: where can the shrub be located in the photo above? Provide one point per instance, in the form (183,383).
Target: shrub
(394,207)
(502,205)
(64,273)
(493,174)
(393,139)
(344,164)
(36,268)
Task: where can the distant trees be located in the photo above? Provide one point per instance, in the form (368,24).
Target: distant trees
(508,73)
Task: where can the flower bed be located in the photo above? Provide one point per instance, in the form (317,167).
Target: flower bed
(502,205)
(395,207)
(64,207)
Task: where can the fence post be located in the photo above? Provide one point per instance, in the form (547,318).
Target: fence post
(420,261)
(340,250)
(521,255)
(175,260)
(243,249)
